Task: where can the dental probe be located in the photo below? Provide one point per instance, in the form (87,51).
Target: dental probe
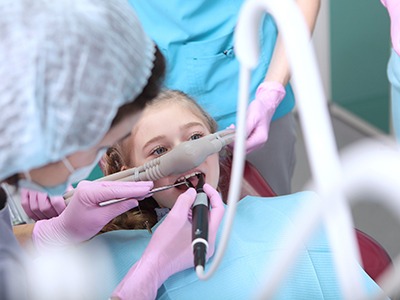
(200,225)
(184,157)
(159,189)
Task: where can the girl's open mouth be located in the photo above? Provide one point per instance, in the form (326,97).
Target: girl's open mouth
(191,180)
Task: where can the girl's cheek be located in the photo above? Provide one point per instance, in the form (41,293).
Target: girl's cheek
(166,198)
(161,182)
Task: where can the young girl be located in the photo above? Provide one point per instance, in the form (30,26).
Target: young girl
(259,225)
(167,121)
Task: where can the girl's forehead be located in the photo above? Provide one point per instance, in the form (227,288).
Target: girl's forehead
(177,110)
(167,115)
(167,104)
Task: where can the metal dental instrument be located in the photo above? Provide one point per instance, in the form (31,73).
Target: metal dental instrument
(181,159)
(159,189)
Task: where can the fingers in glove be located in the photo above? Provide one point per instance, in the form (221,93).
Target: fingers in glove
(58,204)
(39,204)
(216,214)
(184,203)
(45,206)
(26,205)
(256,140)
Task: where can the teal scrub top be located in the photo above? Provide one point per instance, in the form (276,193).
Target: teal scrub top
(259,225)
(196,37)
(394,78)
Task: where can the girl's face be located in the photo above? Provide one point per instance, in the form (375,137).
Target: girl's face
(160,129)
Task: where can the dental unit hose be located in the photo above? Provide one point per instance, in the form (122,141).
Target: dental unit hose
(184,157)
(200,209)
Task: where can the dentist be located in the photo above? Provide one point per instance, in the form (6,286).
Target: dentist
(75,75)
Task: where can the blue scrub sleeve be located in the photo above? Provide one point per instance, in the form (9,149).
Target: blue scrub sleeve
(394,78)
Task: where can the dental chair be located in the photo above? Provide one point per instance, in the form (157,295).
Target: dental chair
(375,258)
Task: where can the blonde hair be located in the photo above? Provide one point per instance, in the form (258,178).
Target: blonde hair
(118,156)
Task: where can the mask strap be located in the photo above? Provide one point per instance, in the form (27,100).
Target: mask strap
(68,165)
(28,176)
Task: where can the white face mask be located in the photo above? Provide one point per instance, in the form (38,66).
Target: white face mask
(82,173)
(59,189)
(56,190)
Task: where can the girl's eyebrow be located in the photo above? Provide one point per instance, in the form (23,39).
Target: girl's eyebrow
(160,137)
(192,124)
(154,139)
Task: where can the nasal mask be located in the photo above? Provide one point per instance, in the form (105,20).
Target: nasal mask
(59,189)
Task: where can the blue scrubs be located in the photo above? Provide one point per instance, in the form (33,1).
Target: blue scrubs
(394,78)
(196,37)
(258,227)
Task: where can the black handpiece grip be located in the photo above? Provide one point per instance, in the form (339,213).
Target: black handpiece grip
(200,219)
(200,225)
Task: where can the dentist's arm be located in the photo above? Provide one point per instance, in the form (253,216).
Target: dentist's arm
(279,67)
(169,250)
(271,92)
(83,218)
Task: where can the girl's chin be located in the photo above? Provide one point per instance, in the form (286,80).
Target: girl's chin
(167,202)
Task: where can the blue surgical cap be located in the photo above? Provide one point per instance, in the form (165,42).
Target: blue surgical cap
(66,66)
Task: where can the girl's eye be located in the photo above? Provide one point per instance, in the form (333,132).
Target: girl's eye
(196,136)
(159,151)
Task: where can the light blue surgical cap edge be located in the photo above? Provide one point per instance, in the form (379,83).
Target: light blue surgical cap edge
(31,152)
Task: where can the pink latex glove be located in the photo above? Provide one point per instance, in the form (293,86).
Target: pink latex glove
(83,217)
(393,7)
(259,114)
(169,250)
(40,206)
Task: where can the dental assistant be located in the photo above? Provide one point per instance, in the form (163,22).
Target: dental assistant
(75,76)
(196,37)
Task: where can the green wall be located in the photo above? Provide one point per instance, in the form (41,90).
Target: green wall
(95,174)
(360,46)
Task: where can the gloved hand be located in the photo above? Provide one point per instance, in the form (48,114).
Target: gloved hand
(393,7)
(169,250)
(259,114)
(83,217)
(40,206)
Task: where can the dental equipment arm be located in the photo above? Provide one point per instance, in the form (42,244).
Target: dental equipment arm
(182,158)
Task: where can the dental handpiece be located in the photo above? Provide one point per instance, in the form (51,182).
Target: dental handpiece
(184,157)
(200,211)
